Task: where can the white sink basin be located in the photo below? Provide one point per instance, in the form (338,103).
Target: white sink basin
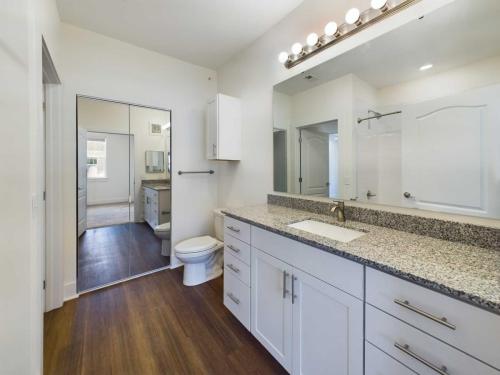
(328,230)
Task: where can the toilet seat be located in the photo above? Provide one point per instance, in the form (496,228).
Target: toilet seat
(197,246)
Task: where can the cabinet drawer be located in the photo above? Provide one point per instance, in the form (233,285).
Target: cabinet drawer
(237,299)
(239,249)
(423,351)
(379,363)
(236,267)
(237,229)
(471,329)
(334,270)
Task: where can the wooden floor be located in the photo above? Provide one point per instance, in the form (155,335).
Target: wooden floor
(152,325)
(117,252)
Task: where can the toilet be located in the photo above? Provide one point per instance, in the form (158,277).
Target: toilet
(162,231)
(202,256)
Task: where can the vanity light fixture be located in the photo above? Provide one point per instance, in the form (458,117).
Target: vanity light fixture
(355,21)
(379,5)
(297,49)
(425,67)
(353,17)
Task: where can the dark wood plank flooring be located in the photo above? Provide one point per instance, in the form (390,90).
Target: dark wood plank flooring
(113,253)
(152,325)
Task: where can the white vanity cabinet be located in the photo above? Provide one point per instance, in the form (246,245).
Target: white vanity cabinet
(223,128)
(307,324)
(156,206)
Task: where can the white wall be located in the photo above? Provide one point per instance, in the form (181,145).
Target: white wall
(115,187)
(248,181)
(98,66)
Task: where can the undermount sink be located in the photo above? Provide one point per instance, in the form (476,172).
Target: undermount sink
(333,232)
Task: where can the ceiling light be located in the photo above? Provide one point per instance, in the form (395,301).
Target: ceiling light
(283,57)
(379,4)
(296,48)
(426,67)
(312,39)
(352,16)
(331,29)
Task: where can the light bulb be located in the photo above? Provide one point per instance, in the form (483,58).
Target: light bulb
(283,57)
(352,16)
(312,39)
(331,29)
(378,4)
(296,48)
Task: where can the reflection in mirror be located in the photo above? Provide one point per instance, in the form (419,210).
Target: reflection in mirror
(155,162)
(123,202)
(409,119)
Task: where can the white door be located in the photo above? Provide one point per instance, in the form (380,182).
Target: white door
(327,328)
(82,181)
(450,159)
(314,162)
(271,307)
(211,129)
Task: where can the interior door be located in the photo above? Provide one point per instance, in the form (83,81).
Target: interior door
(82,181)
(327,328)
(448,161)
(314,162)
(271,306)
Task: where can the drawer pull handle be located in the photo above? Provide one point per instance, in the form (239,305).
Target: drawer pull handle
(233,229)
(233,248)
(406,349)
(442,320)
(233,298)
(233,268)
(285,290)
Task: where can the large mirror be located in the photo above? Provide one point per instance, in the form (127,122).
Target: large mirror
(124,194)
(409,119)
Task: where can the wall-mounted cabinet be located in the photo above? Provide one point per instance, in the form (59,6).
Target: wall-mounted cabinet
(223,128)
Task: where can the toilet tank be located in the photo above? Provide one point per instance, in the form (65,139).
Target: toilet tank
(219,224)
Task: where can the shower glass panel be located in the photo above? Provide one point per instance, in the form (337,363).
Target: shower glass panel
(116,228)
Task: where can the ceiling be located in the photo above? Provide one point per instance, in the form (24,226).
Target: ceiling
(203,32)
(455,35)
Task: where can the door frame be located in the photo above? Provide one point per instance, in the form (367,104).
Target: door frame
(53,239)
(77,96)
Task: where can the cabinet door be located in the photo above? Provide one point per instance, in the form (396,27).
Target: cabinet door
(271,307)
(211,130)
(327,328)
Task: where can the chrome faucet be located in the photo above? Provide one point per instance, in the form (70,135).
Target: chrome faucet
(338,209)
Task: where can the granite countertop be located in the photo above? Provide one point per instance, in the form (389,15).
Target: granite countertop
(156,186)
(465,272)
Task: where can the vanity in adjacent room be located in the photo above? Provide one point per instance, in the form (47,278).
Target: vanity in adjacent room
(157,208)
(404,132)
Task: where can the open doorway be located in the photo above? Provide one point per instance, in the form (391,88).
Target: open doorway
(318,159)
(280,160)
(124,194)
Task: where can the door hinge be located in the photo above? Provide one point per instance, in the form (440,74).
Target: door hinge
(44,195)
(300,139)
(300,179)
(44,284)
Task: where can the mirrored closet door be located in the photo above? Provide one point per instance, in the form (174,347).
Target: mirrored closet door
(124,194)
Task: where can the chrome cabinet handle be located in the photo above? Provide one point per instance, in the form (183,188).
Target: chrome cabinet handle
(233,229)
(233,268)
(294,296)
(233,298)
(436,319)
(285,290)
(406,349)
(233,248)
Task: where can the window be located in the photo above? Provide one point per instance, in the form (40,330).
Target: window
(96,158)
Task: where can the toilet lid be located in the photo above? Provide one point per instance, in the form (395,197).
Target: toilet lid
(165,227)
(196,244)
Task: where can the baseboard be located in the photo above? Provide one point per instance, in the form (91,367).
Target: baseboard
(70,291)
